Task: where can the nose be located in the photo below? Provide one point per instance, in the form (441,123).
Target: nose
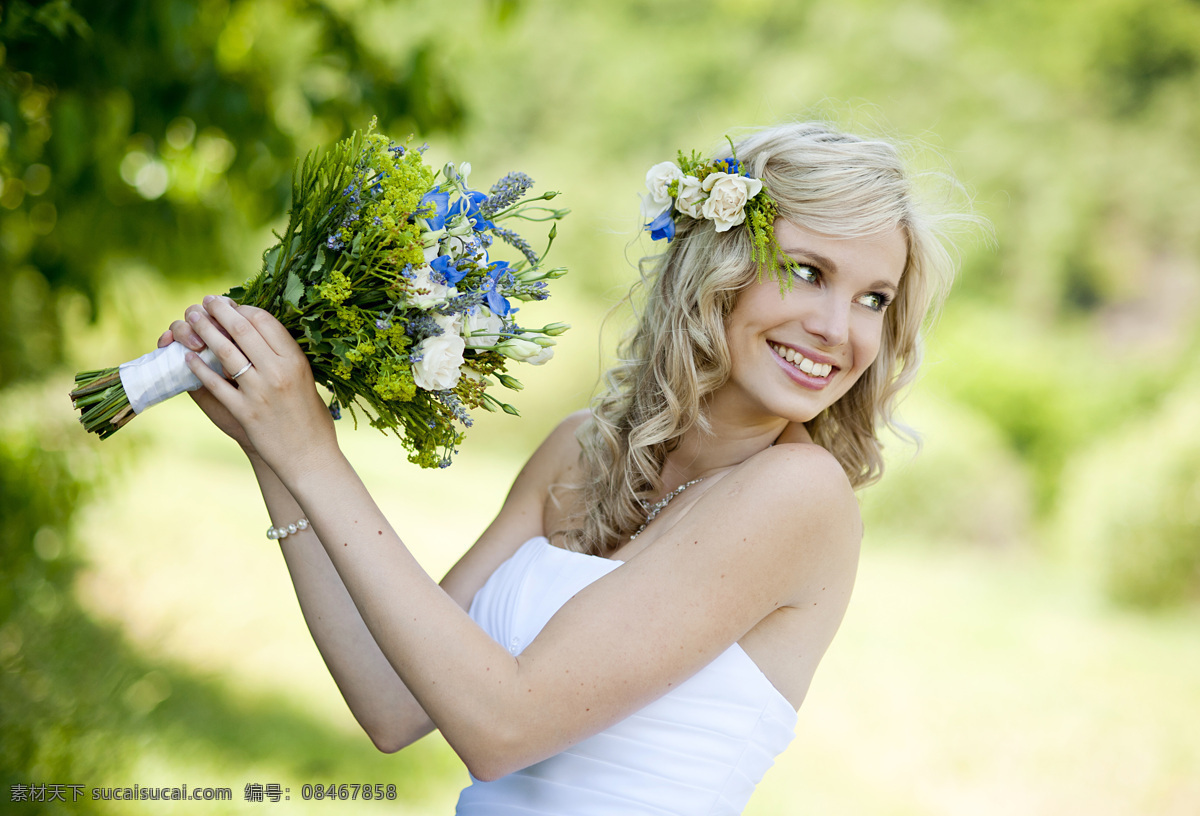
(829,319)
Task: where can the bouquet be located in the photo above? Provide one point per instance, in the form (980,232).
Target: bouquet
(385,279)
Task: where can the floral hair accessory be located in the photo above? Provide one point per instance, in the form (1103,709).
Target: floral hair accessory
(716,190)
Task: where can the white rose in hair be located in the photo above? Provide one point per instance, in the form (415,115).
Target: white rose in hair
(691,197)
(652,208)
(727,197)
(427,293)
(658,180)
(438,368)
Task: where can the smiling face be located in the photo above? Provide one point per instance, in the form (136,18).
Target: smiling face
(794,356)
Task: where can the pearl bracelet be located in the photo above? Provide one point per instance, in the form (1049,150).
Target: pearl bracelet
(274,533)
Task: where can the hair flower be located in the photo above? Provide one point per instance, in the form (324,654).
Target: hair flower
(715,190)
(691,197)
(728,196)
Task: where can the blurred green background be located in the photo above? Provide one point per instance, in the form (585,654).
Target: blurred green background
(1025,636)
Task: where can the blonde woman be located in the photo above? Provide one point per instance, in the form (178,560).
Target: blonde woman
(634,632)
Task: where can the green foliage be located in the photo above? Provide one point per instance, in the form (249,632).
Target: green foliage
(965,486)
(162,132)
(1130,515)
(1046,391)
(53,704)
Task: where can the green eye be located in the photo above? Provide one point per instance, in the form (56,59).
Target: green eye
(875,301)
(805,273)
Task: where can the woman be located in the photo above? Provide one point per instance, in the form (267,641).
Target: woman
(648,608)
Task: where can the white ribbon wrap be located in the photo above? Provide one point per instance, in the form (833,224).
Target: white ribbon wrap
(162,374)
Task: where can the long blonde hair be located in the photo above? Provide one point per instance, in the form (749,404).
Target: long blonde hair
(824,181)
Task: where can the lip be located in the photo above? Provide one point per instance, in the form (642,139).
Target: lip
(798,376)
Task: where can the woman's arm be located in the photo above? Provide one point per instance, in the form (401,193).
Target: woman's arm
(375,694)
(377,698)
(781,530)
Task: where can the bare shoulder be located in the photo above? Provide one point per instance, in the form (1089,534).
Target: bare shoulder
(797,502)
(805,481)
(561,448)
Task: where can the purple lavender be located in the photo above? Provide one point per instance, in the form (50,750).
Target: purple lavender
(518,243)
(505,192)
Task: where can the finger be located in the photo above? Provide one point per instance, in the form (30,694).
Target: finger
(165,339)
(244,333)
(182,333)
(231,356)
(272,331)
(204,398)
(219,387)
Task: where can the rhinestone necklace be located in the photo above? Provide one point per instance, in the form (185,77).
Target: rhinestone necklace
(655,509)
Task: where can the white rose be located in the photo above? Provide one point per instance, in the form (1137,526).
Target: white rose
(542,356)
(690,197)
(438,368)
(652,208)
(449,324)
(454,246)
(426,292)
(518,349)
(483,328)
(727,197)
(659,178)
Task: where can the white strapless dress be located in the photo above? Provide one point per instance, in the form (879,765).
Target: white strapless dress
(697,751)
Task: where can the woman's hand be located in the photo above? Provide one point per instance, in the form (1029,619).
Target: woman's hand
(274,401)
(181,332)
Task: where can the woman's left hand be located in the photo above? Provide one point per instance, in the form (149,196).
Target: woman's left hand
(275,399)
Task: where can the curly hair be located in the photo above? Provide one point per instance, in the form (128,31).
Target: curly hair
(824,181)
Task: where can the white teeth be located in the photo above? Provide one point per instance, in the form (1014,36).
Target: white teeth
(801,362)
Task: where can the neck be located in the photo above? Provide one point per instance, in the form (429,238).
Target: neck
(700,454)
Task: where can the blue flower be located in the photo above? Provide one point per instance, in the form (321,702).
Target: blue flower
(440,202)
(446,266)
(662,227)
(495,301)
(469,206)
(732,166)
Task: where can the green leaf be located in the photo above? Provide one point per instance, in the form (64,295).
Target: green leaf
(270,257)
(294,290)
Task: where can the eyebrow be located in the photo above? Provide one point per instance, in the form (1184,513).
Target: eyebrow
(828,264)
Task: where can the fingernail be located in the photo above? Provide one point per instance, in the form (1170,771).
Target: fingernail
(196,343)
(192,317)
(209,299)
(190,356)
